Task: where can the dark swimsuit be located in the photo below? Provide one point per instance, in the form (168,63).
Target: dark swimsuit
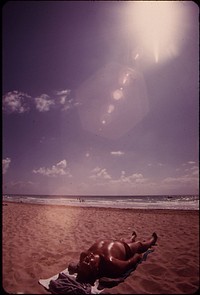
(128,250)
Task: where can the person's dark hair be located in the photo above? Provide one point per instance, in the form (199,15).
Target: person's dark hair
(86,273)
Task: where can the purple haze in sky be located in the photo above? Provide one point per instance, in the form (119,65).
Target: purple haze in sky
(85,108)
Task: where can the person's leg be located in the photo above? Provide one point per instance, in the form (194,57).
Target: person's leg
(141,247)
(131,239)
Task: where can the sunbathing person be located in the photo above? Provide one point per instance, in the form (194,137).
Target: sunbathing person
(111,258)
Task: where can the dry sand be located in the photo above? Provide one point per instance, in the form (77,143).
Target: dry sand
(40,241)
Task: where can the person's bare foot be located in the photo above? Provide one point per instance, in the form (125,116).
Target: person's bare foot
(154,238)
(134,235)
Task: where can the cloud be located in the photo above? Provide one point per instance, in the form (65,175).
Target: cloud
(155,164)
(98,173)
(44,103)
(63,92)
(130,181)
(61,101)
(190,168)
(191,178)
(189,162)
(135,178)
(19,102)
(63,95)
(64,100)
(173,180)
(134,183)
(56,170)
(117,153)
(16,102)
(6,163)
(138,183)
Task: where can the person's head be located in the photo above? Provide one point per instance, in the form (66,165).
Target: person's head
(88,269)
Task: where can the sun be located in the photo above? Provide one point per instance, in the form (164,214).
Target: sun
(158,27)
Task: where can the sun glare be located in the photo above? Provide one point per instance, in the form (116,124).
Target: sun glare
(158,27)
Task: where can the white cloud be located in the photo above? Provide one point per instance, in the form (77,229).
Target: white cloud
(56,170)
(132,180)
(19,102)
(188,179)
(184,184)
(44,103)
(134,183)
(16,102)
(63,92)
(135,178)
(189,162)
(64,100)
(117,153)
(172,180)
(159,164)
(137,183)
(6,163)
(98,173)
(191,170)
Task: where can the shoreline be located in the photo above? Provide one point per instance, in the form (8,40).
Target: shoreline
(40,241)
(102,207)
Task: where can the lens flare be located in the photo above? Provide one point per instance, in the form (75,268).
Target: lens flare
(117,94)
(111,108)
(112,101)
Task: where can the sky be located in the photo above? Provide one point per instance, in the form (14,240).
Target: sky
(100,97)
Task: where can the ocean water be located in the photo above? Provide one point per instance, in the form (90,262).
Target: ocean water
(182,202)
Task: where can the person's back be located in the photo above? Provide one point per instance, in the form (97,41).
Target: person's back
(109,248)
(97,260)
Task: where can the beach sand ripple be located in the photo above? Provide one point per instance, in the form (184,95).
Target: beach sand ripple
(40,241)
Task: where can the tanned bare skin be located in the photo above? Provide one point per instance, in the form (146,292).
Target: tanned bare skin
(111,258)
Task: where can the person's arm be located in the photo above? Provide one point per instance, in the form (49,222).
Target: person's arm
(82,256)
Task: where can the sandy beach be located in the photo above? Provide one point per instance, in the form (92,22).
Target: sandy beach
(40,241)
